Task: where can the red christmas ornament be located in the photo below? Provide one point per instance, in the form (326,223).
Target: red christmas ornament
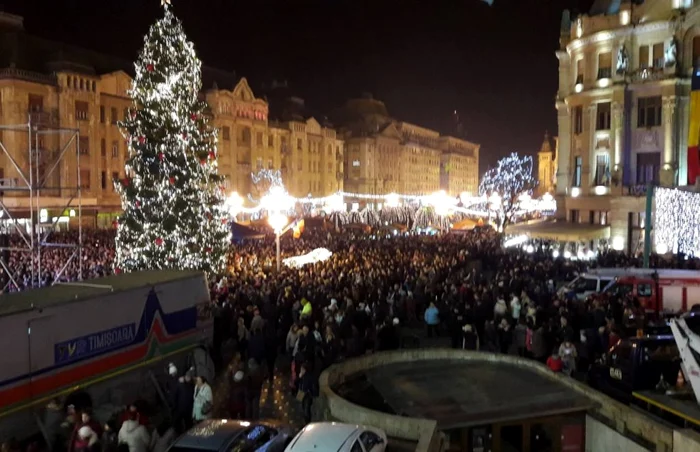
(117,271)
(208,249)
(150,67)
(194,116)
(224,220)
(212,155)
(159,241)
(184,135)
(114,224)
(133,114)
(142,140)
(125,182)
(172,181)
(161,156)
(137,203)
(208,216)
(203,162)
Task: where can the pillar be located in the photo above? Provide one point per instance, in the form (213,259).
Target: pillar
(587,172)
(564,151)
(682,123)
(668,159)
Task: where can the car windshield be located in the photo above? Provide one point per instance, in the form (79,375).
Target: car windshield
(252,439)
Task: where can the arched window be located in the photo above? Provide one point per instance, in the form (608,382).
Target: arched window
(69,81)
(82,84)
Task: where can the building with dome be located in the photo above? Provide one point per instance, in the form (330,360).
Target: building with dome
(626,73)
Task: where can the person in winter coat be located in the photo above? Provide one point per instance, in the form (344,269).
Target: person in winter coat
(539,344)
(238,395)
(110,438)
(554,362)
(470,340)
(86,420)
(568,354)
(134,435)
(256,346)
(163,437)
(203,400)
(432,320)
(256,379)
(520,337)
(292,337)
(307,391)
(87,440)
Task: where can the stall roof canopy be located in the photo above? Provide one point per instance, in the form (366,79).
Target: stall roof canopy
(240,232)
(561,231)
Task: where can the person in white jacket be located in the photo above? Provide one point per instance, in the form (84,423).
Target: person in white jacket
(203,400)
(134,435)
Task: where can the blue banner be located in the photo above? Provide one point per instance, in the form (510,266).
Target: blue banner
(94,344)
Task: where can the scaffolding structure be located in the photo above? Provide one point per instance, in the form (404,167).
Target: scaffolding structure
(40,173)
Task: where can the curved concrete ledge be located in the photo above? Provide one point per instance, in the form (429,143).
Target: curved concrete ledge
(333,407)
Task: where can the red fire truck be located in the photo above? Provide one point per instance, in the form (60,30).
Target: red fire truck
(661,291)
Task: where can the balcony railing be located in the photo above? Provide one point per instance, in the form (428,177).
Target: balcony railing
(48,118)
(604,72)
(29,76)
(648,74)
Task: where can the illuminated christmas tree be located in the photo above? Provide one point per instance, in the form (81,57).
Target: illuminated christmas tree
(172,194)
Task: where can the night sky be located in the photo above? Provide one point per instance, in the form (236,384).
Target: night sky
(494,64)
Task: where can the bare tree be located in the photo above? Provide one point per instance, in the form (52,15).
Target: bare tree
(505,185)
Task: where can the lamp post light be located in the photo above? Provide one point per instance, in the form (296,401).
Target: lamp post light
(277,221)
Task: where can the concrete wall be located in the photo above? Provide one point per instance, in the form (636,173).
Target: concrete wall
(330,406)
(601,437)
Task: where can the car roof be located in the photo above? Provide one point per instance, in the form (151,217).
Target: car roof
(213,434)
(323,436)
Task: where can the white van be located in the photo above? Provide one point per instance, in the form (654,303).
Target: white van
(593,281)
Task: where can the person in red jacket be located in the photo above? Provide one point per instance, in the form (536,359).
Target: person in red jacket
(555,363)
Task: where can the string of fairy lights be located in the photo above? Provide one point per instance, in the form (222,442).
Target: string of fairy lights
(677,221)
(277,199)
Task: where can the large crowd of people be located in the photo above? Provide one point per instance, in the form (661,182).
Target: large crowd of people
(374,293)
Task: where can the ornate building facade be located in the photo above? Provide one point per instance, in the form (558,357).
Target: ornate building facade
(625,73)
(309,155)
(385,155)
(59,94)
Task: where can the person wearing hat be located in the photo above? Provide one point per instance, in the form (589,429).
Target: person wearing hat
(238,395)
(388,336)
(87,440)
(470,340)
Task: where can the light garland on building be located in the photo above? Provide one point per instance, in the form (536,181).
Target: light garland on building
(677,221)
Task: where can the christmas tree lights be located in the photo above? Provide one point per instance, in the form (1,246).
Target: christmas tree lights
(504,186)
(677,221)
(172,195)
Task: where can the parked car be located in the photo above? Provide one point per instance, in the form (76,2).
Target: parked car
(222,435)
(334,436)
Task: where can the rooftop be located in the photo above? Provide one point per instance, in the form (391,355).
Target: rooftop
(11,303)
(460,394)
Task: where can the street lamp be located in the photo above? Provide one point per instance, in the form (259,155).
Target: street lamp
(277,221)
